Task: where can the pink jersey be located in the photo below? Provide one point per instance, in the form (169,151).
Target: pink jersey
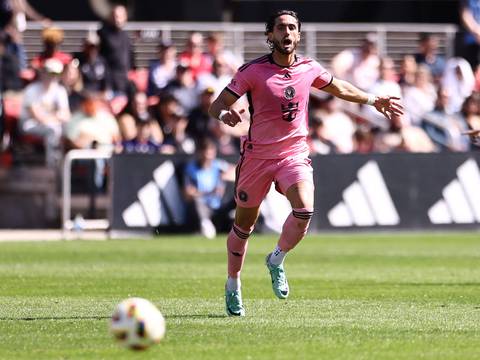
(278,103)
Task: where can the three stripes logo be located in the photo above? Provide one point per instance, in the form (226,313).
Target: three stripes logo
(366,202)
(460,202)
(159,201)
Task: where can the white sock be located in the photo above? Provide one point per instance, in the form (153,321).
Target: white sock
(233,284)
(277,256)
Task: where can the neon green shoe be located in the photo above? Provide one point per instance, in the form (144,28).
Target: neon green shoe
(279,279)
(233,303)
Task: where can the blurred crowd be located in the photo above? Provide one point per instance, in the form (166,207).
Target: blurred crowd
(97,98)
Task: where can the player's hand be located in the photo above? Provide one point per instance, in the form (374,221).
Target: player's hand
(474,136)
(389,106)
(233,117)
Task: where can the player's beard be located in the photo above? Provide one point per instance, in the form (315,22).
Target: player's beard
(278,46)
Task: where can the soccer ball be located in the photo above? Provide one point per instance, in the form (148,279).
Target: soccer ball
(137,323)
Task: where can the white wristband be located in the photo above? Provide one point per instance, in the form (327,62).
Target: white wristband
(371,99)
(222,114)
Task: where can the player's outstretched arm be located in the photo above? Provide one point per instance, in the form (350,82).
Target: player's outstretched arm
(474,136)
(220,109)
(387,105)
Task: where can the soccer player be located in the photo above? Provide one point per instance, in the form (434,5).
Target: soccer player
(277,87)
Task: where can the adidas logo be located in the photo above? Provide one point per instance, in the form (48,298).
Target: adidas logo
(460,203)
(287,76)
(366,202)
(159,201)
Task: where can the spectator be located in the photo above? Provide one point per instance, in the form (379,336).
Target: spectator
(445,127)
(200,123)
(173,123)
(319,144)
(338,127)
(204,186)
(218,78)
(93,67)
(460,82)
(471,111)
(404,137)
(9,68)
(183,87)
(13,19)
(363,141)
(359,65)
(117,50)
(215,50)
(143,142)
(92,126)
(428,48)
(52,38)
(45,109)
(420,98)
(137,112)
(162,70)
(71,79)
(470,18)
(408,69)
(193,56)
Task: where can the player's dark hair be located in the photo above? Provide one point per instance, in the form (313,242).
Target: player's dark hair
(271,22)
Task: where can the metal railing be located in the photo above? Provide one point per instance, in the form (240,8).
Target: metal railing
(67,223)
(247,40)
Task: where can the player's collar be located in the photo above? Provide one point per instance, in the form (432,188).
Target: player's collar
(272,61)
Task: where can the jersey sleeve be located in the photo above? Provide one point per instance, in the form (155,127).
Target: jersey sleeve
(240,84)
(321,77)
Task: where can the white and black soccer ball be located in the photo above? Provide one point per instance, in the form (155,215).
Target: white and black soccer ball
(137,323)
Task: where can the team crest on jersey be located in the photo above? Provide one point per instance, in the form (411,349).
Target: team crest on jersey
(289,93)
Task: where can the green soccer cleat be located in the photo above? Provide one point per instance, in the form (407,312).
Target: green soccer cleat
(279,279)
(233,303)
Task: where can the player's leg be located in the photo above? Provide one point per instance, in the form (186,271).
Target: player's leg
(297,179)
(237,244)
(253,180)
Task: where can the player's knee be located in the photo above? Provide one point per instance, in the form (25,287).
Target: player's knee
(237,242)
(301,218)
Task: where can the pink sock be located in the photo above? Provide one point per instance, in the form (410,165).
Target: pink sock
(294,228)
(237,243)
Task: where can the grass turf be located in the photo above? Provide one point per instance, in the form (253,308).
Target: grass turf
(352,297)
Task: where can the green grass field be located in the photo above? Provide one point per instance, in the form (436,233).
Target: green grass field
(352,297)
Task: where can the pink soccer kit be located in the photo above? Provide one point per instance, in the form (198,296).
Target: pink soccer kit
(275,149)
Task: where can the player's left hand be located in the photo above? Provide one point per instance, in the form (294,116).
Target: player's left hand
(389,106)
(474,136)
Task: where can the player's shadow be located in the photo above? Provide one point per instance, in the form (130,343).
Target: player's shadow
(42,318)
(195,316)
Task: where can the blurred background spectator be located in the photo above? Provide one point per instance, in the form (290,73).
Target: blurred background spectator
(162,70)
(194,57)
(92,65)
(117,50)
(427,54)
(52,38)
(92,126)
(45,110)
(204,187)
(358,65)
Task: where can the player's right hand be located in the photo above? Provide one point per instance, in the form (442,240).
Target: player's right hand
(233,117)
(474,136)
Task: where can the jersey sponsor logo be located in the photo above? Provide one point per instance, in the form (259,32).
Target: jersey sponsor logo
(366,202)
(289,111)
(289,92)
(460,202)
(287,76)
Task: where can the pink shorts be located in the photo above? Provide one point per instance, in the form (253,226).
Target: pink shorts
(254,177)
